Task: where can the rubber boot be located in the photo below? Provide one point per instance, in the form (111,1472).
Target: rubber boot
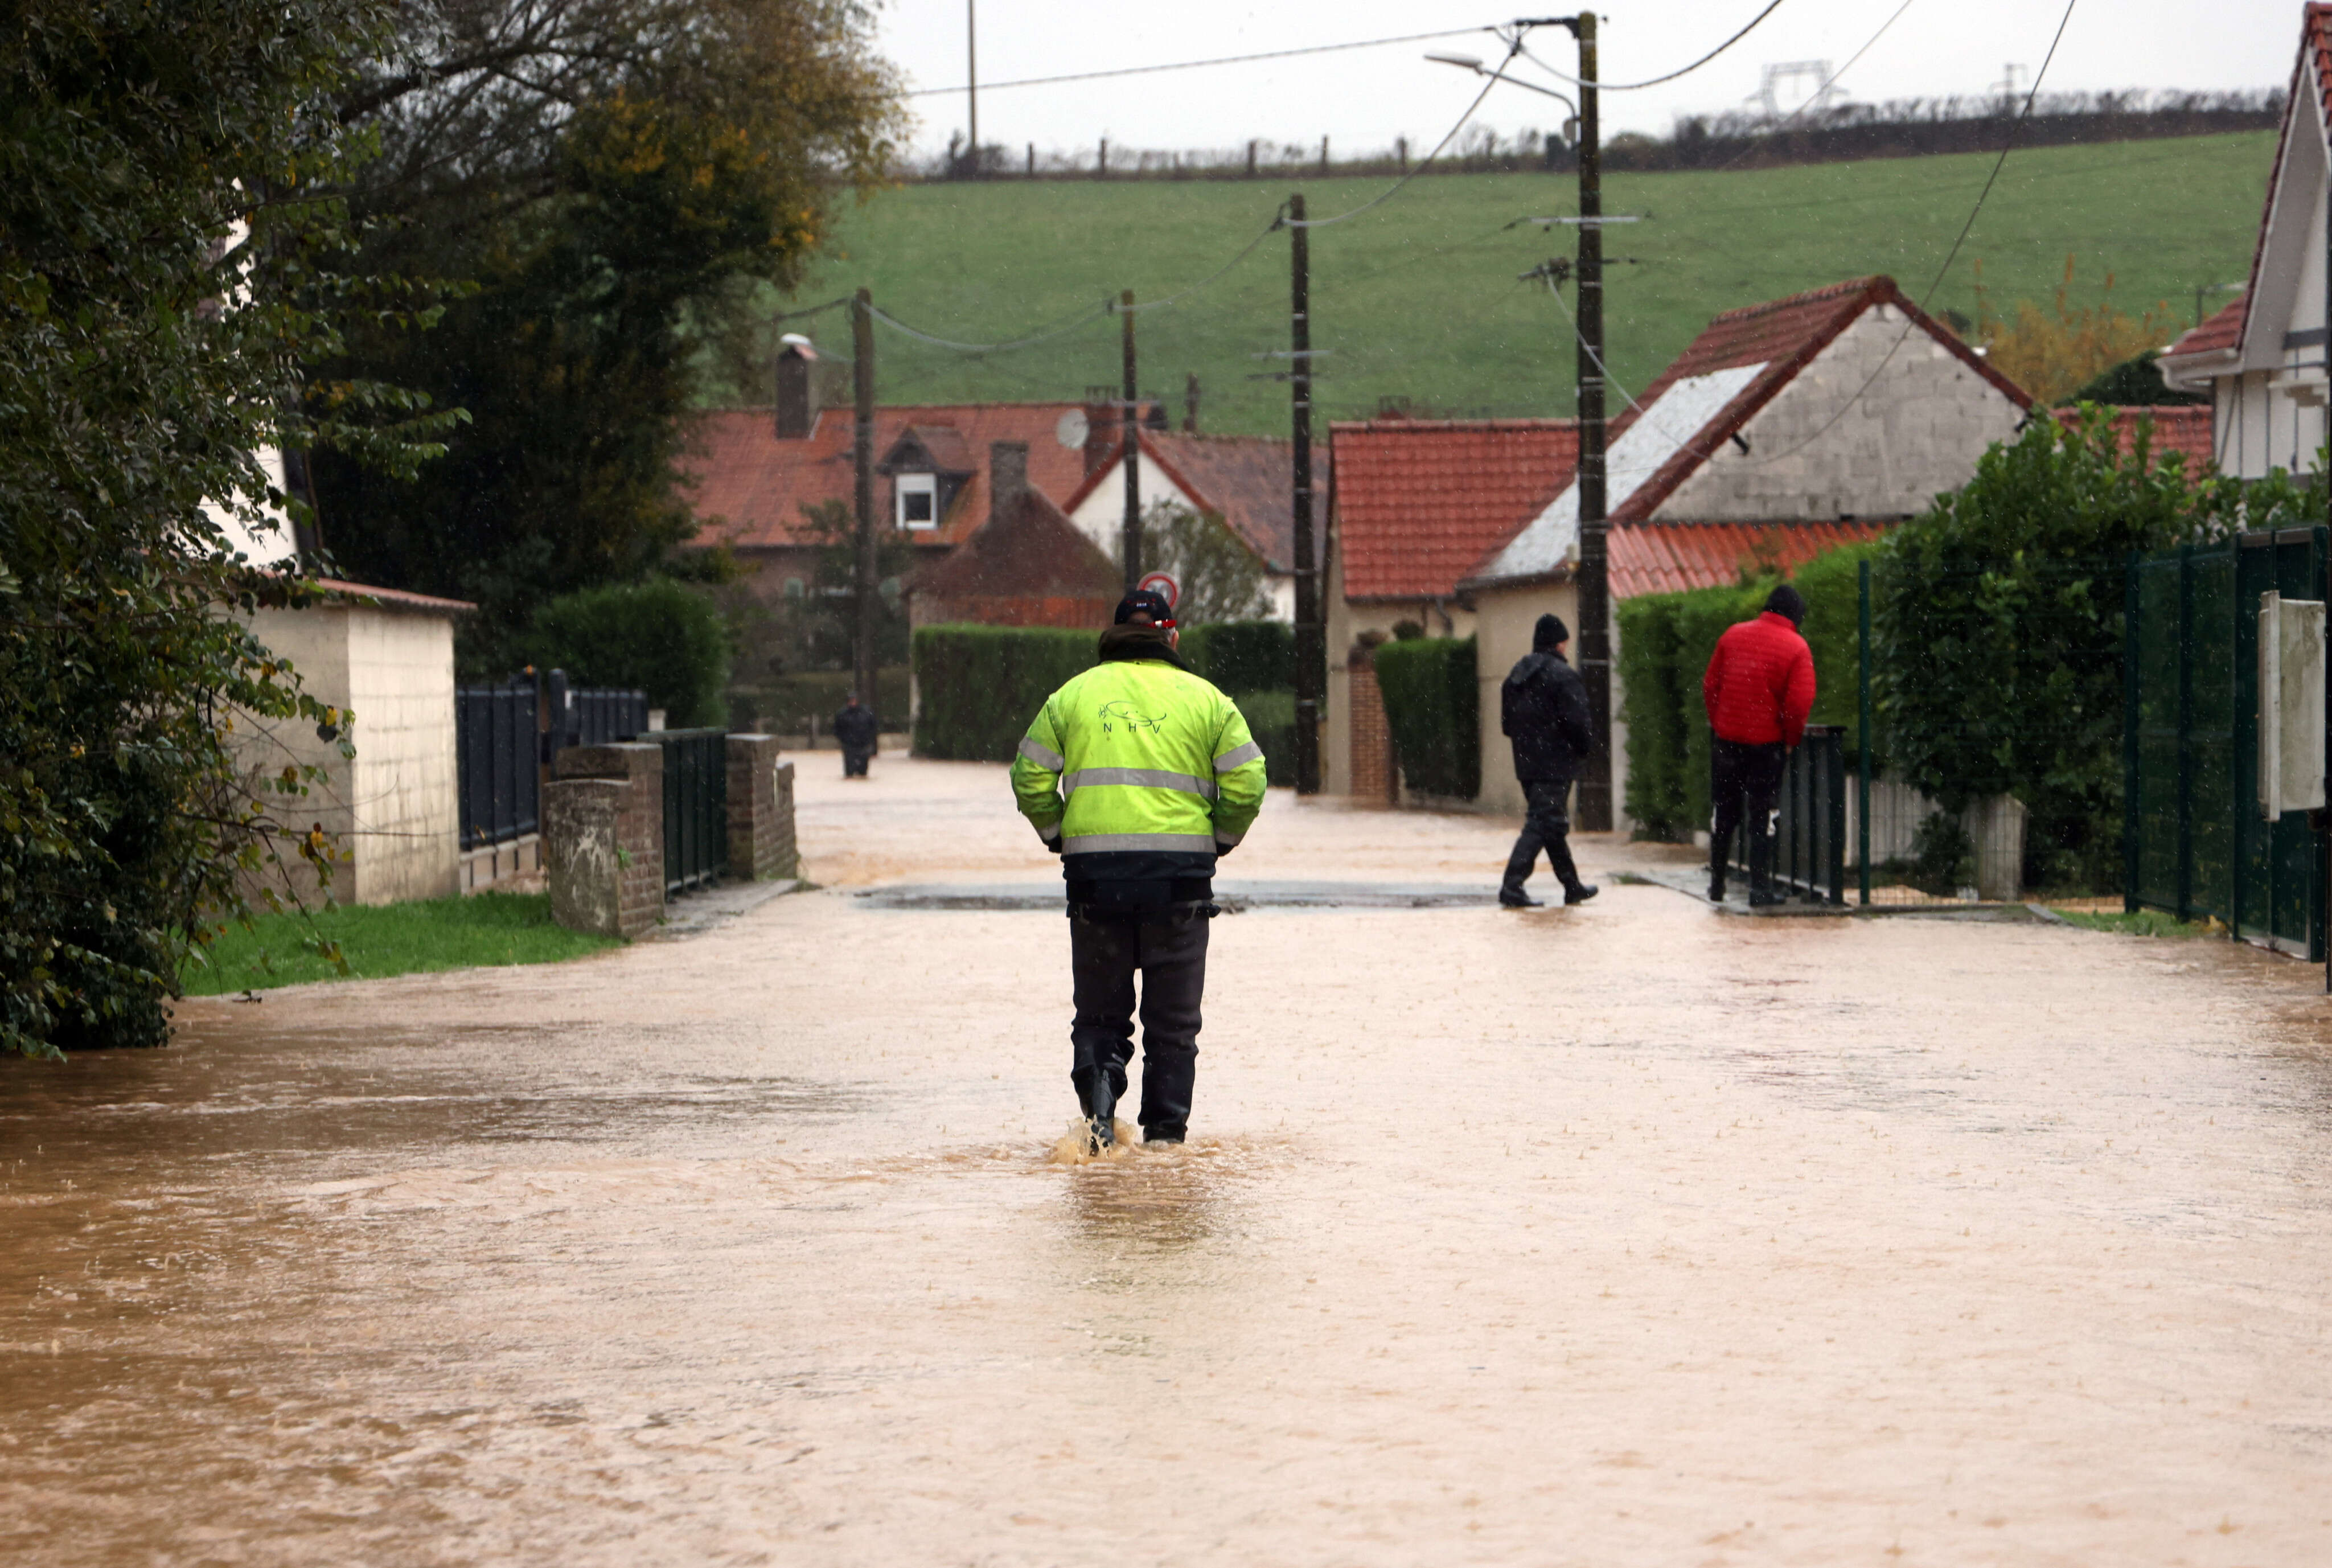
(1100,1101)
(1520,864)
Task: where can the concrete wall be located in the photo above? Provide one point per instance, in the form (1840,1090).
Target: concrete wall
(1918,430)
(1504,621)
(394,807)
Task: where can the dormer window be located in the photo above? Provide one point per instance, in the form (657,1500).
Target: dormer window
(918,500)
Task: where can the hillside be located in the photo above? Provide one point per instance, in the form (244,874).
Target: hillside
(1418,298)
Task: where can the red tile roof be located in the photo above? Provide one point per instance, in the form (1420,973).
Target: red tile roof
(1249,481)
(390,598)
(1784,336)
(1031,566)
(750,486)
(1418,502)
(2221,331)
(2177,428)
(1658,558)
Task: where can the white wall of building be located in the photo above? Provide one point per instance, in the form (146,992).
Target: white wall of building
(2270,413)
(1917,431)
(1101,518)
(395,807)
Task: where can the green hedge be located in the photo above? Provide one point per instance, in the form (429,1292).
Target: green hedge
(979,687)
(1433,706)
(1244,656)
(659,636)
(1664,644)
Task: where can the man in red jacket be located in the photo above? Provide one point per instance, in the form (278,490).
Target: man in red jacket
(1759,689)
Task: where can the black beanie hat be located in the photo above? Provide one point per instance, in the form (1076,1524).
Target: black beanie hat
(1786,600)
(1550,635)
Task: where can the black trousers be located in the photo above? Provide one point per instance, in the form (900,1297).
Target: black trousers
(1546,826)
(1169,951)
(1744,783)
(853,762)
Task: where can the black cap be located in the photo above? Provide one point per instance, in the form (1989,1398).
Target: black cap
(1145,602)
(1786,600)
(1549,635)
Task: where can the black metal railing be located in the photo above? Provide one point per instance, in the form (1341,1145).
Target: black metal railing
(695,806)
(502,740)
(1810,831)
(496,762)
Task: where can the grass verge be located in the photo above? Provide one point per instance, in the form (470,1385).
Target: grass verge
(2138,923)
(481,929)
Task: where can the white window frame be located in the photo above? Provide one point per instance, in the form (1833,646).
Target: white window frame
(907,484)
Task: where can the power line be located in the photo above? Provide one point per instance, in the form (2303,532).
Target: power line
(1772,6)
(1043,334)
(1514,49)
(1198,64)
(1278,222)
(1826,86)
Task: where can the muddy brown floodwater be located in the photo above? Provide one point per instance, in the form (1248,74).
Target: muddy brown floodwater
(1627,1235)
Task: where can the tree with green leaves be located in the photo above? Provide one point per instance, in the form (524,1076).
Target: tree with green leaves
(169,262)
(611,178)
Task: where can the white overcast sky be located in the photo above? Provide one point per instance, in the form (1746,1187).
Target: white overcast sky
(1365,98)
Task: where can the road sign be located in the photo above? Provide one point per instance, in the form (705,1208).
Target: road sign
(1157,582)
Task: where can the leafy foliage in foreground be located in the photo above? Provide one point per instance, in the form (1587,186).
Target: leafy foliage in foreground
(158,290)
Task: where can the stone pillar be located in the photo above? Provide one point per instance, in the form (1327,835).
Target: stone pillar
(584,862)
(1375,782)
(638,825)
(760,810)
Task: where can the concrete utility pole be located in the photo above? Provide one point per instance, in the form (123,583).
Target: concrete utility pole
(1311,636)
(1593,581)
(862,455)
(971,76)
(1129,427)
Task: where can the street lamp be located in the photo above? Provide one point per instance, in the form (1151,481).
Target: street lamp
(1473,62)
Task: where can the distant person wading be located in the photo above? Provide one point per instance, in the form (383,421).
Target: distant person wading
(1542,709)
(1758,691)
(1138,774)
(856,730)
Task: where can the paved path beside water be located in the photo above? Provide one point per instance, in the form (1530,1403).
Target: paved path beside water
(1627,1235)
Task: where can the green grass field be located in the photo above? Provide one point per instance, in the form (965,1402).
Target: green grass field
(1418,298)
(440,934)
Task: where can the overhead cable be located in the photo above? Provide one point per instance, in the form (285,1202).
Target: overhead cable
(1655,81)
(1513,50)
(1817,97)
(1198,64)
(1943,271)
(1278,222)
(1092,313)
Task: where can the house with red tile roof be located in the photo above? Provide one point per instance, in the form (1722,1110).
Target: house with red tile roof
(1247,480)
(756,475)
(2262,359)
(1784,429)
(1027,565)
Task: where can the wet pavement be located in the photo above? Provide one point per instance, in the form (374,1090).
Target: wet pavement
(1630,1233)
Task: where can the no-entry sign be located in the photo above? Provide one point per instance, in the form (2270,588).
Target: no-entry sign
(1157,582)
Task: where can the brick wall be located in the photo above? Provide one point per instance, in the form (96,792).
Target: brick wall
(639,824)
(760,810)
(1374,769)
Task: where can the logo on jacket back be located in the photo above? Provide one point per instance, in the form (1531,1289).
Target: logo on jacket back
(1121,711)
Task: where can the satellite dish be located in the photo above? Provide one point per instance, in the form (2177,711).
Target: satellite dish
(1072,431)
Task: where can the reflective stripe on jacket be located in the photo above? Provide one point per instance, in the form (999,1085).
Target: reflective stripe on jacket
(1135,754)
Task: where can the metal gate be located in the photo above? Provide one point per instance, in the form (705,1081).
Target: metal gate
(2195,843)
(695,806)
(1810,833)
(494,748)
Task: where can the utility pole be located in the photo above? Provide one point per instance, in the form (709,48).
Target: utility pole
(1311,643)
(1130,427)
(971,75)
(861,454)
(1593,581)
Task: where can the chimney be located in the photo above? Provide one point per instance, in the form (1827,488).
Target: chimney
(1190,405)
(1007,477)
(798,388)
(1101,427)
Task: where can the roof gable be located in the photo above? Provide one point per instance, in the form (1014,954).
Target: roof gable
(1247,481)
(1028,550)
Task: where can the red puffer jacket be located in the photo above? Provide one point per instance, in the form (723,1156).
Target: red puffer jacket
(1760,684)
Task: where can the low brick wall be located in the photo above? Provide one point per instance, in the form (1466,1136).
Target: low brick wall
(636,827)
(586,869)
(1376,777)
(761,846)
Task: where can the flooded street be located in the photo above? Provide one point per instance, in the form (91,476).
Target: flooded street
(1632,1234)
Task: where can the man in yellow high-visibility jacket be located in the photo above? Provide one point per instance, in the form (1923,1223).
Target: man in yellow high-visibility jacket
(1138,774)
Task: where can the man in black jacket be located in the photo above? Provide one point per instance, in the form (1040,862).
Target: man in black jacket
(857,729)
(1543,708)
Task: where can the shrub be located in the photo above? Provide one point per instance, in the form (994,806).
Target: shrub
(1271,719)
(1243,656)
(1433,707)
(979,687)
(1942,855)
(659,635)
(1652,707)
